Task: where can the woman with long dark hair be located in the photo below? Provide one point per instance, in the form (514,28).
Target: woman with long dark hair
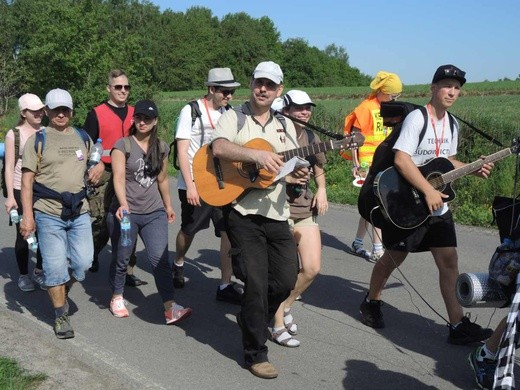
(140,171)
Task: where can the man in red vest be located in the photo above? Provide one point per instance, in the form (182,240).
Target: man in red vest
(109,122)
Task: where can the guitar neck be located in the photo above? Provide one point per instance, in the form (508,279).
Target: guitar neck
(473,167)
(309,150)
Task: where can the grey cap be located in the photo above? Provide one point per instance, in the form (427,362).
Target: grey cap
(221,77)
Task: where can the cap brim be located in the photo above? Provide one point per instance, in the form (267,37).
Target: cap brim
(59,104)
(262,75)
(34,108)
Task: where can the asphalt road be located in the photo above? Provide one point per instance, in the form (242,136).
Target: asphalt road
(337,351)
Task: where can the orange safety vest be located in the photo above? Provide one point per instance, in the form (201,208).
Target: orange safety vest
(111,128)
(367,118)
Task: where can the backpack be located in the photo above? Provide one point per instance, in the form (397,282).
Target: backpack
(40,138)
(195,113)
(16,132)
(393,114)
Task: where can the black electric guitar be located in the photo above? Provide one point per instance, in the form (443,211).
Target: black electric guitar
(220,182)
(404,206)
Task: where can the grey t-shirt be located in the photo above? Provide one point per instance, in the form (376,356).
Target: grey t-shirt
(142,192)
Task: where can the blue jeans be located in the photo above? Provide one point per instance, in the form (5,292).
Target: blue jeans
(153,230)
(64,244)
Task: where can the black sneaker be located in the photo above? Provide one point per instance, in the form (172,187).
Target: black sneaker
(467,332)
(230,294)
(178,276)
(371,314)
(62,327)
(484,370)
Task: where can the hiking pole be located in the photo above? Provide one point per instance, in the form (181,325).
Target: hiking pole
(313,127)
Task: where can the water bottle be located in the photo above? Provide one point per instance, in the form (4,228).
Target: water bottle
(32,241)
(125,230)
(15,217)
(95,153)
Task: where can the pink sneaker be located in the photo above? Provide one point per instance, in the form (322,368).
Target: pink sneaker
(118,308)
(176,314)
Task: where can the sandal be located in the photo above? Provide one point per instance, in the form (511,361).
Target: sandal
(289,323)
(284,338)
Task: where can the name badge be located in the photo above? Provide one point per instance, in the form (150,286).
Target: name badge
(79,154)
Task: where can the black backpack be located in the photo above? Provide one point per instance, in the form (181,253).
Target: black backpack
(393,114)
(3,184)
(195,113)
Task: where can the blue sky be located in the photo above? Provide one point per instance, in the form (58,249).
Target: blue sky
(408,37)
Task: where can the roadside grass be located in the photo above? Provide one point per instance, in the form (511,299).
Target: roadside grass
(12,377)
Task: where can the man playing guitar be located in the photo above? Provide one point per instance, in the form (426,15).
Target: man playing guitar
(437,233)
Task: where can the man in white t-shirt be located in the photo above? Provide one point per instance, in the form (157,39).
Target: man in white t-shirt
(437,233)
(195,126)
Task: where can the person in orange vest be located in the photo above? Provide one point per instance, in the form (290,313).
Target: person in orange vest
(109,121)
(367,120)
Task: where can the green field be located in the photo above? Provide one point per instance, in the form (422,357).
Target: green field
(490,106)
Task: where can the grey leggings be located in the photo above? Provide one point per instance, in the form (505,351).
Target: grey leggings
(153,230)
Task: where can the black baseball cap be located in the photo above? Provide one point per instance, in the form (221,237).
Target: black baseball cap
(147,108)
(449,72)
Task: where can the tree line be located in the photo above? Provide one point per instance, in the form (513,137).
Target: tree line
(72,44)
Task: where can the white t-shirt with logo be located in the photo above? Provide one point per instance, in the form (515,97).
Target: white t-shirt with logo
(427,150)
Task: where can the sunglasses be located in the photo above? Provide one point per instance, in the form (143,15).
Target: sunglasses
(394,96)
(226,92)
(119,87)
(450,72)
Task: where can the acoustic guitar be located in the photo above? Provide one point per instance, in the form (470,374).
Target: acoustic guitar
(404,206)
(220,182)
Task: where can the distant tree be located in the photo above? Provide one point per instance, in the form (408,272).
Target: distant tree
(10,75)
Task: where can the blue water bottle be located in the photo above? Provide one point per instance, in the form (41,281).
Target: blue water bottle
(33,242)
(126,240)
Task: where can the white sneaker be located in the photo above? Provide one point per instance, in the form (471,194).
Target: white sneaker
(39,279)
(25,283)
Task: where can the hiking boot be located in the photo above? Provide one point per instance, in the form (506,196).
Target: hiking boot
(371,314)
(359,250)
(230,294)
(62,327)
(484,370)
(176,314)
(25,283)
(118,308)
(467,332)
(178,276)
(263,370)
(38,278)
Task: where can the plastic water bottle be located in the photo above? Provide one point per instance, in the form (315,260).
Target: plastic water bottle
(125,230)
(32,241)
(15,217)
(95,153)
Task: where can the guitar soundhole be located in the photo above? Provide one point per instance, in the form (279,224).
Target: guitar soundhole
(250,171)
(435,180)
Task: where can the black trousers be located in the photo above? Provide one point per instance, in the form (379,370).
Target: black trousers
(264,257)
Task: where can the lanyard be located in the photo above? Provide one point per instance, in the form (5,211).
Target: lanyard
(207,111)
(438,142)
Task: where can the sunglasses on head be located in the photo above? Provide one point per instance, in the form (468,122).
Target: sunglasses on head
(454,72)
(119,87)
(226,92)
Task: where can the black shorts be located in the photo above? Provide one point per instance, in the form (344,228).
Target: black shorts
(436,232)
(196,218)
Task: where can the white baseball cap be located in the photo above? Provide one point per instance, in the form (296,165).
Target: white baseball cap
(269,70)
(58,98)
(277,104)
(30,101)
(295,96)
